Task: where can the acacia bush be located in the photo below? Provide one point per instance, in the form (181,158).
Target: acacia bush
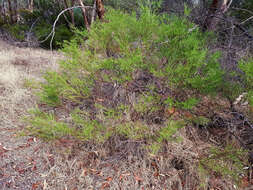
(123,78)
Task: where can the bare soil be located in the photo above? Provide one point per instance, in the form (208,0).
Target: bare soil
(67,164)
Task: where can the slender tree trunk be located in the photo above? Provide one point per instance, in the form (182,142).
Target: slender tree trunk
(1,12)
(30,5)
(71,12)
(4,10)
(15,8)
(84,15)
(93,14)
(100,9)
(10,11)
(215,14)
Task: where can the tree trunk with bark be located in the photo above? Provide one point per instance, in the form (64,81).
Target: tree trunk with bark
(1,12)
(30,5)
(84,15)
(10,11)
(15,10)
(100,9)
(215,14)
(71,12)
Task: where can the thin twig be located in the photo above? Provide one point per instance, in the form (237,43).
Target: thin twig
(241,9)
(231,1)
(247,20)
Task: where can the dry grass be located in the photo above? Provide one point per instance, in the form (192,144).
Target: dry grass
(17,64)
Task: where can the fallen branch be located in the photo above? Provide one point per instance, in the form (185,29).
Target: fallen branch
(52,33)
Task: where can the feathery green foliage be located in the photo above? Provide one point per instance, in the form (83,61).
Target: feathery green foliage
(227,162)
(168,48)
(46,126)
(247,67)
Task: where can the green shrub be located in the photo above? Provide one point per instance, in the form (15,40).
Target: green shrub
(187,104)
(62,86)
(166,133)
(17,31)
(62,33)
(46,126)
(2,21)
(247,67)
(226,163)
(29,16)
(142,43)
(165,47)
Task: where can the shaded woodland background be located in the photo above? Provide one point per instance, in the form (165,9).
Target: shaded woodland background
(232,20)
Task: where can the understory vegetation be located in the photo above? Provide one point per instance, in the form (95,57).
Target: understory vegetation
(139,78)
(140,67)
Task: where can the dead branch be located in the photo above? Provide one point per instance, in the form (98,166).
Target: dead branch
(52,33)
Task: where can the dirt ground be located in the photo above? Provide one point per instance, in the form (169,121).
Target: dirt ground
(22,160)
(66,164)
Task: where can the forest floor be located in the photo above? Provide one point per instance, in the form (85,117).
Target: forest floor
(67,164)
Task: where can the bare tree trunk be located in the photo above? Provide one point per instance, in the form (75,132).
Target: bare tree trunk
(4,14)
(15,8)
(93,15)
(1,11)
(71,12)
(30,5)
(10,12)
(100,9)
(84,15)
(215,14)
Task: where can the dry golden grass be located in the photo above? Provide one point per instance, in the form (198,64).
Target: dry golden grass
(16,65)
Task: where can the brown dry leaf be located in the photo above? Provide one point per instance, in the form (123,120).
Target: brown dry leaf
(126,174)
(120,177)
(99,100)
(34,166)
(3,149)
(171,111)
(188,115)
(138,179)
(93,170)
(244,182)
(99,173)
(109,179)
(105,185)
(156,174)
(84,173)
(36,185)
(30,139)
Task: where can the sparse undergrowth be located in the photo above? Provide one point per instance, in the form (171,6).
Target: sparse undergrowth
(227,162)
(129,82)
